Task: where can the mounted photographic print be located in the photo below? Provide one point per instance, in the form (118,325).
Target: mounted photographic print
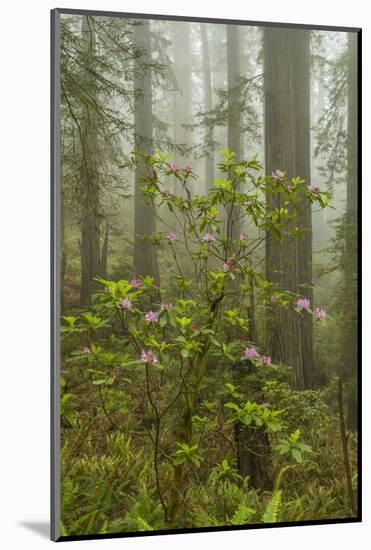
(205,217)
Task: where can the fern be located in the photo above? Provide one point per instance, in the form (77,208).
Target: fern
(242,515)
(143,525)
(271,511)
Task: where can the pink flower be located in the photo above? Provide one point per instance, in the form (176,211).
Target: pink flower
(174,168)
(126,304)
(157,285)
(320,313)
(265,360)
(148,357)
(172,236)
(227,266)
(278,175)
(303,303)
(86,350)
(188,168)
(243,236)
(164,306)
(168,193)
(151,317)
(274,300)
(208,237)
(266,404)
(315,188)
(136,283)
(288,187)
(251,352)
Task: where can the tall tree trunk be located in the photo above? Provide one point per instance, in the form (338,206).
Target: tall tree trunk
(104,255)
(90,191)
(287,147)
(145,257)
(183,94)
(320,217)
(208,105)
(234,100)
(350,351)
(302,121)
(234,114)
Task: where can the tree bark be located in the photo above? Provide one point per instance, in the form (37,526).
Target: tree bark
(287,147)
(90,188)
(183,94)
(234,113)
(145,257)
(208,105)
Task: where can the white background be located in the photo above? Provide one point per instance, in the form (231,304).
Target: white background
(24,270)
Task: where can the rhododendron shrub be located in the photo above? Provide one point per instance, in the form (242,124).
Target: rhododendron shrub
(171,348)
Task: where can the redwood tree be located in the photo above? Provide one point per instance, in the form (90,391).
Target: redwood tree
(145,257)
(287,148)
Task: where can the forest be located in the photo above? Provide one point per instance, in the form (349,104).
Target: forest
(208,274)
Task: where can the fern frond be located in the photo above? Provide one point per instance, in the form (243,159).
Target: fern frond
(143,525)
(271,511)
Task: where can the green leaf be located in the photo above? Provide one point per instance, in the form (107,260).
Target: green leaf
(296,454)
(304,447)
(163,320)
(107,381)
(232,406)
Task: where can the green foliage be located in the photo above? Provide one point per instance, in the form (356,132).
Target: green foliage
(186,453)
(258,415)
(272,509)
(293,447)
(156,379)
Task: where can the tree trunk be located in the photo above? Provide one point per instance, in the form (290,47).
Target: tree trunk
(350,351)
(145,257)
(90,192)
(183,94)
(104,255)
(287,147)
(234,115)
(208,104)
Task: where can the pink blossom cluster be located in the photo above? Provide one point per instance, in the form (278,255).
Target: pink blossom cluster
(174,168)
(148,357)
(172,236)
(151,317)
(303,303)
(209,237)
(126,304)
(315,188)
(252,352)
(320,313)
(278,175)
